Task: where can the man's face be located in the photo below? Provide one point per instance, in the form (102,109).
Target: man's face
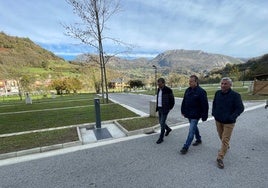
(192,83)
(160,84)
(225,86)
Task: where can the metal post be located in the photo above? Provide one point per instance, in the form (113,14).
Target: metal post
(155,75)
(244,77)
(97,112)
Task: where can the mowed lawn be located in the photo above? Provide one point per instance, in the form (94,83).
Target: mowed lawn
(62,111)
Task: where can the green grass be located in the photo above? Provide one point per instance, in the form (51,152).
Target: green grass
(212,88)
(46,112)
(15,99)
(138,123)
(33,140)
(45,105)
(16,116)
(59,117)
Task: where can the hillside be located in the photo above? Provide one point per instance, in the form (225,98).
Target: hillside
(16,50)
(192,61)
(259,65)
(177,61)
(22,51)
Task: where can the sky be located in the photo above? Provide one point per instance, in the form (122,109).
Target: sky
(237,28)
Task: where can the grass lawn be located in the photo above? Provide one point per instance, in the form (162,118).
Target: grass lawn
(138,123)
(11,123)
(16,116)
(212,88)
(45,112)
(33,140)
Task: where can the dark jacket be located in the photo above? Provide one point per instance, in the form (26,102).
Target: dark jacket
(227,106)
(195,103)
(168,100)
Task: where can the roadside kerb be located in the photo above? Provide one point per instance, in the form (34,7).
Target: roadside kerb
(88,125)
(148,130)
(43,148)
(39,150)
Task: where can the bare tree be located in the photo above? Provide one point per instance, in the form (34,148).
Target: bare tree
(94,15)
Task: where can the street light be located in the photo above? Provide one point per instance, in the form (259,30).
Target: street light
(155,74)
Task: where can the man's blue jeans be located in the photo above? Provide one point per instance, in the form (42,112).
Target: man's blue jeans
(193,131)
(162,120)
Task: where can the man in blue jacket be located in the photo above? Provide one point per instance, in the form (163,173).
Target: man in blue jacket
(164,103)
(227,106)
(194,106)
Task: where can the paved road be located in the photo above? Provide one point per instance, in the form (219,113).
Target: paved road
(139,162)
(141,102)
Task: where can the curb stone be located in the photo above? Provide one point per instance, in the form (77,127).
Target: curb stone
(139,131)
(39,150)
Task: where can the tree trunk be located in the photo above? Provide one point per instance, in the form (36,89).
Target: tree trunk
(101,56)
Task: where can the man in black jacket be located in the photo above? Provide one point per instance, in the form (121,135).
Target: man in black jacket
(227,106)
(164,103)
(194,106)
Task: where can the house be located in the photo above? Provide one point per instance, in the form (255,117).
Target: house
(118,83)
(8,87)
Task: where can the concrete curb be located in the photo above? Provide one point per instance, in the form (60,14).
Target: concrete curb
(64,145)
(148,130)
(39,150)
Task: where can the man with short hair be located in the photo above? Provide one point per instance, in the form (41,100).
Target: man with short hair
(227,106)
(194,106)
(164,103)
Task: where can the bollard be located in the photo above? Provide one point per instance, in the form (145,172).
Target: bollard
(153,108)
(97,112)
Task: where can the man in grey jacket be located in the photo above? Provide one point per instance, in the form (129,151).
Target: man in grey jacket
(227,106)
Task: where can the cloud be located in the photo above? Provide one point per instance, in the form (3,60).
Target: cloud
(229,27)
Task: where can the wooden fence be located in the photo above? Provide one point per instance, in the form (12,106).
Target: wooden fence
(260,87)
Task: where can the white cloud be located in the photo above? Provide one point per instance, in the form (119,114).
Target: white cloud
(230,27)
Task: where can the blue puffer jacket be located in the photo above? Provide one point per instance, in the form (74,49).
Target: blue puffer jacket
(227,106)
(195,103)
(168,100)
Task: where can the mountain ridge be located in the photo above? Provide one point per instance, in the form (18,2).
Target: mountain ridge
(179,60)
(16,50)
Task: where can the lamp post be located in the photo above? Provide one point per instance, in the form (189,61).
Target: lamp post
(155,74)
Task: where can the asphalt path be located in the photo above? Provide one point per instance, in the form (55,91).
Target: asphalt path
(142,103)
(139,162)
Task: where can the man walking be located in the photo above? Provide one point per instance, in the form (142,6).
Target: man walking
(164,103)
(194,106)
(227,106)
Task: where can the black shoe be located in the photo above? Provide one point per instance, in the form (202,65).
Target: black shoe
(184,150)
(220,164)
(197,142)
(168,131)
(159,141)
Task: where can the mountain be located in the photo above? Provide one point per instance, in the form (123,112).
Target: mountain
(256,66)
(16,50)
(192,61)
(178,61)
